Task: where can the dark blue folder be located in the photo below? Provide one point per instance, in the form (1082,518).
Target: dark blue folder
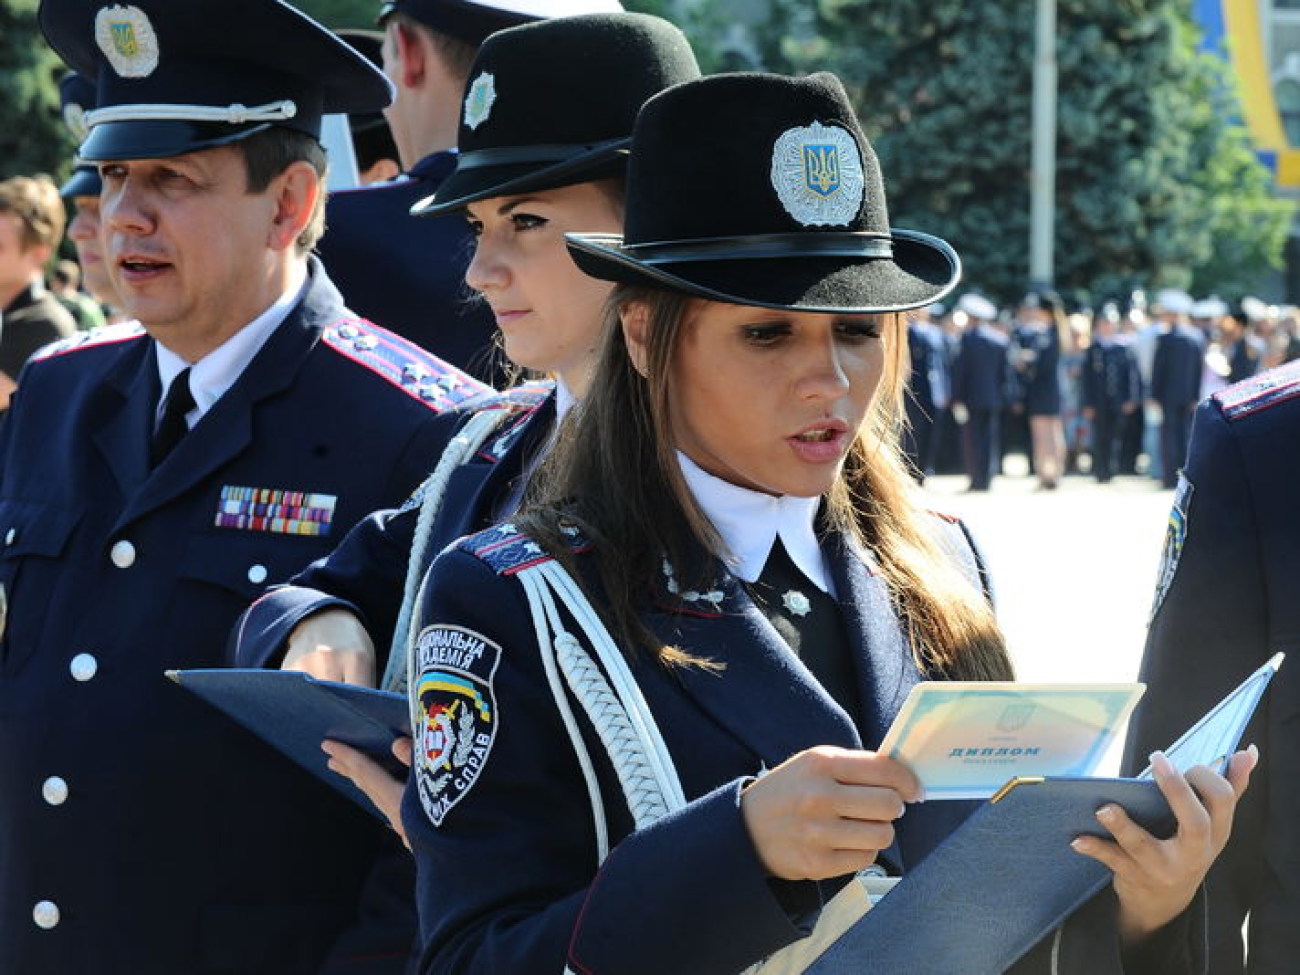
(295,713)
(1007,876)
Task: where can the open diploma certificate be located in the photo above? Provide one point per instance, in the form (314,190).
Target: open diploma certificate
(965,739)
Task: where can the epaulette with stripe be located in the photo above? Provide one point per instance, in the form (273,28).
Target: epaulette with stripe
(525,396)
(99,336)
(520,404)
(420,374)
(506,550)
(1259,392)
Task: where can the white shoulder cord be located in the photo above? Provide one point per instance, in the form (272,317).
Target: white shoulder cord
(616,708)
(471,437)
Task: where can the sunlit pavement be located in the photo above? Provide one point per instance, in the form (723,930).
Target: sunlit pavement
(1073,569)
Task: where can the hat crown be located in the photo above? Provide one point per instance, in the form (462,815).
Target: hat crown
(802,165)
(175,77)
(571,81)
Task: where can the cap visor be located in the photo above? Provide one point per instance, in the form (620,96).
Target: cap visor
(466,186)
(160,139)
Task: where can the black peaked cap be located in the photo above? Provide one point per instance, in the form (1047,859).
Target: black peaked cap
(199,56)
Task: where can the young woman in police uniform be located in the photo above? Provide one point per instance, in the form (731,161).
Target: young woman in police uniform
(545,124)
(642,707)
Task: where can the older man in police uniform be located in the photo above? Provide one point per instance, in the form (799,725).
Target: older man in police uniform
(153,479)
(404,273)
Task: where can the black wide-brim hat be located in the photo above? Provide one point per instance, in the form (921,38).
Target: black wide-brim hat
(176,76)
(553,103)
(763,190)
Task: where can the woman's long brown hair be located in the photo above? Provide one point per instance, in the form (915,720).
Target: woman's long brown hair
(614,473)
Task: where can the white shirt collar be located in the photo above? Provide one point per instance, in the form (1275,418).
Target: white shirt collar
(750,522)
(217,371)
(564,401)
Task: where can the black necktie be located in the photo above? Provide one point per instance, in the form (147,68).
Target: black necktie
(172,426)
(810,621)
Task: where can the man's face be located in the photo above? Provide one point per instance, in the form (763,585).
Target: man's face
(83,229)
(18,264)
(187,245)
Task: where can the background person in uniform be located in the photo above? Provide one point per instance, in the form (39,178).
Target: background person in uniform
(65,283)
(408,274)
(372,138)
(31,226)
(929,385)
(1037,357)
(731,564)
(1225,602)
(351,603)
(1175,381)
(153,480)
(1112,391)
(82,191)
(979,385)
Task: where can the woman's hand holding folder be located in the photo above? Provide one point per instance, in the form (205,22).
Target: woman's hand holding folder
(1156,880)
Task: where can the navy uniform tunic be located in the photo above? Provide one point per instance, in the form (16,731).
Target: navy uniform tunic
(1226,601)
(140,830)
(367,572)
(687,893)
(408,273)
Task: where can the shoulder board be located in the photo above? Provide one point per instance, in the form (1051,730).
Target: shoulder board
(103,335)
(506,550)
(421,375)
(1260,392)
(525,396)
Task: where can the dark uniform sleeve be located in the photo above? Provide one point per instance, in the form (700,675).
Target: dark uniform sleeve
(508,877)
(365,574)
(1208,632)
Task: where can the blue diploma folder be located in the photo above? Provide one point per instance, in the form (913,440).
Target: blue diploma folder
(295,713)
(1007,876)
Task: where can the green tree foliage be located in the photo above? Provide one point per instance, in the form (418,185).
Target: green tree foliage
(33,138)
(1155,185)
(337,14)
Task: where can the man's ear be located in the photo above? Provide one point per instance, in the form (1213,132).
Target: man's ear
(296,189)
(411,55)
(634,316)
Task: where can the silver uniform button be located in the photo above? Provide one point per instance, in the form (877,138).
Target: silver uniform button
(11,536)
(257,574)
(83,666)
(55,790)
(45,914)
(123,554)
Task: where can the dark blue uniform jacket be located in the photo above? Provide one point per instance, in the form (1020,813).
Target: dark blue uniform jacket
(1228,601)
(367,572)
(153,833)
(408,273)
(509,881)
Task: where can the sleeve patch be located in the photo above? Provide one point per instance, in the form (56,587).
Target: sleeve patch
(1175,536)
(456,714)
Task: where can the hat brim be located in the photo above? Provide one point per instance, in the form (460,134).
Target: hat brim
(84,181)
(156,139)
(923,269)
(466,186)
